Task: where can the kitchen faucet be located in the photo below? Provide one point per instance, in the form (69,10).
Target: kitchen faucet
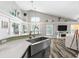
(30,34)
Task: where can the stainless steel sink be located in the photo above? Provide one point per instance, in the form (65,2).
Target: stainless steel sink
(37,39)
(38,44)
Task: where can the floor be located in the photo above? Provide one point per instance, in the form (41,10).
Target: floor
(59,50)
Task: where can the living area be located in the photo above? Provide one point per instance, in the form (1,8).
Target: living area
(39,29)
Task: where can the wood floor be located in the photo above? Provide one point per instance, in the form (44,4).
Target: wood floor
(59,50)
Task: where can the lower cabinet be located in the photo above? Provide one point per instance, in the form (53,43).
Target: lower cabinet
(42,54)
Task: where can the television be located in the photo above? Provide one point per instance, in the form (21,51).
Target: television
(62,27)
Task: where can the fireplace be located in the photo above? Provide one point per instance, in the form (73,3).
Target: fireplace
(63,35)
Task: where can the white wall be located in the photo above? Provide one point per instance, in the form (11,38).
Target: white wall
(8,32)
(43,18)
(3,32)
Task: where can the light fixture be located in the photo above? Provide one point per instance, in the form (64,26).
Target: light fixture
(33,5)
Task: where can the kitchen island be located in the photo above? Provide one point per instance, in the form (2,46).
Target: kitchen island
(14,49)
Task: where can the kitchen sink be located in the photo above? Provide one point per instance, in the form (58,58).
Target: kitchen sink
(37,39)
(38,44)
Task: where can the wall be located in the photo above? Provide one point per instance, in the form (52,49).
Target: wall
(3,32)
(52,20)
(8,32)
(43,18)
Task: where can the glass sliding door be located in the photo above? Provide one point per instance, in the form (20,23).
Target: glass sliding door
(35,25)
(24,27)
(15,28)
(49,29)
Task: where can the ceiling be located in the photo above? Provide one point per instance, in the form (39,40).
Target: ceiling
(69,9)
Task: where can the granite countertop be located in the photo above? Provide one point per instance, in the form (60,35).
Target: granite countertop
(13,49)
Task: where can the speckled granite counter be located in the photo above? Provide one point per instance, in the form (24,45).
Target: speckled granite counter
(13,49)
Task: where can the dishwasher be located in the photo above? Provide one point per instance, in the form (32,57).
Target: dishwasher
(39,48)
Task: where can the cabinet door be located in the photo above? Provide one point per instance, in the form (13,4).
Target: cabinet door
(26,55)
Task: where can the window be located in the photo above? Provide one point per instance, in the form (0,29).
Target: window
(24,29)
(35,19)
(49,29)
(15,28)
(4,24)
(74,27)
(35,25)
